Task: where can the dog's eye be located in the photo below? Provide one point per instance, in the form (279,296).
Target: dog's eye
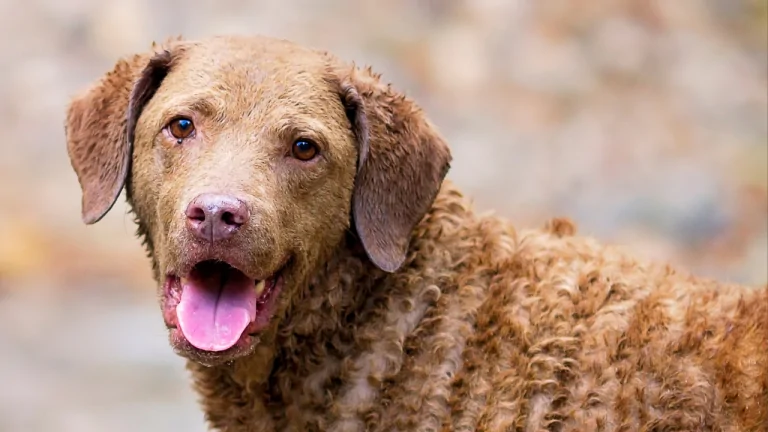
(181,128)
(304,150)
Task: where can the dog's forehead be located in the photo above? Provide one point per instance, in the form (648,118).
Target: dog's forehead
(253,76)
(243,64)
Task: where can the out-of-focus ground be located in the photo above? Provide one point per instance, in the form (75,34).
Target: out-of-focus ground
(645,122)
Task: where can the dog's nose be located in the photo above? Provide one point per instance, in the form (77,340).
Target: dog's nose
(214,217)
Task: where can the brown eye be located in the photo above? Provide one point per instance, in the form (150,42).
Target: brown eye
(304,150)
(181,128)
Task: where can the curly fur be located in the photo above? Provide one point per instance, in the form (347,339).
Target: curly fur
(465,323)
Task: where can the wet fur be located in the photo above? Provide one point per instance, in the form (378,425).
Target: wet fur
(459,323)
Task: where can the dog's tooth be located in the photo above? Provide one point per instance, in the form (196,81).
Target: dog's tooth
(260,287)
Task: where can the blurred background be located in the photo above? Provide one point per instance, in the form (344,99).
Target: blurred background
(646,122)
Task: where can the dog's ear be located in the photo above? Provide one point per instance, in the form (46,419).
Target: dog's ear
(401,165)
(100,124)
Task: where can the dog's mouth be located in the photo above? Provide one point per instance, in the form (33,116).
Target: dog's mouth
(215,305)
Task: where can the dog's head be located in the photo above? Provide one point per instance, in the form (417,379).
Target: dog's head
(247,160)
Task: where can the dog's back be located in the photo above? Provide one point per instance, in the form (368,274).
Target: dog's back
(576,336)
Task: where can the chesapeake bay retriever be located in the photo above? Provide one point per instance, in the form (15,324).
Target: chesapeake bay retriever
(319,273)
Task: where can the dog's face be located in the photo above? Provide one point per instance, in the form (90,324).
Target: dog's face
(247,161)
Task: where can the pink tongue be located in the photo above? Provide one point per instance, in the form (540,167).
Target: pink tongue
(213,316)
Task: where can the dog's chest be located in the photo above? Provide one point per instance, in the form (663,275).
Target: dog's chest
(393,371)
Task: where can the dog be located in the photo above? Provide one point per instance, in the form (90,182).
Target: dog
(319,272)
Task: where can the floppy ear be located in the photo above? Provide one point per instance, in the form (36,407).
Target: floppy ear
(401,164)
(100,125)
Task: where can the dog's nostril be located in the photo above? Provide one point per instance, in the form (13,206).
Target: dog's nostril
(233,219)
(195,213)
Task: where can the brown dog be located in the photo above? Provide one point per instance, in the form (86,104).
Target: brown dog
(319,273)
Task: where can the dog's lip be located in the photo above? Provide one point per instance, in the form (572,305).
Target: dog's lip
(187,268)
(195,253)
(195,256)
